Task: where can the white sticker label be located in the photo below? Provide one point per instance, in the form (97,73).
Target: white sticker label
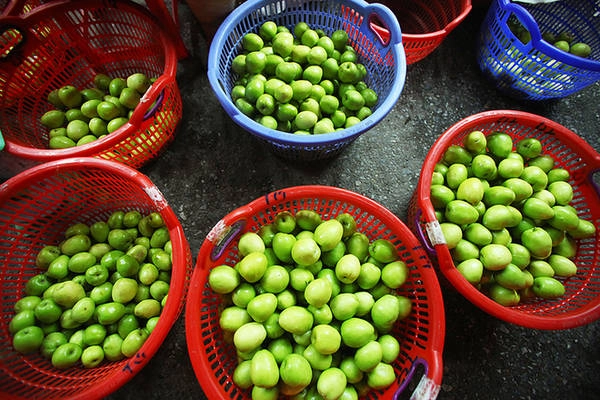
(427,389)
(434,231)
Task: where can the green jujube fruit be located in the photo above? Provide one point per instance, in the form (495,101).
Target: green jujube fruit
(457,154)
(264,371)
(506,297)
(511,277)
(495,257)
(80,262)
(471,190)
(471,270)
(537,241)
(548,288)
(496,217)
(499,144)
(441,195)
(562,192)
(460,212)
(584,229)
(562,266)
(498,195)
(328,234)
(484,167)
(383,251)
(455,175)
(522,189)
(540,268)
(567,247)
(452,233)
(464,250)
(75,244)
(478,234)
(564,218)
(475,142)
(537,209)
(521,256)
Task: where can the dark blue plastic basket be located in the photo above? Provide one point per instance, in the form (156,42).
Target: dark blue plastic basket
(538,70)
(373,31)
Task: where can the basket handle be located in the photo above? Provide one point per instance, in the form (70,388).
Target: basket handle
(382,22)
(146,108)
(427,389)
(14,39)
(524,17)
(434,233)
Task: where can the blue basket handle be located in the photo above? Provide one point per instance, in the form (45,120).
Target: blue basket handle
(383,23)
(525,18)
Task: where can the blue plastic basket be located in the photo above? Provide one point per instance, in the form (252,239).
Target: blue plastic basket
(373,31)
(537,70)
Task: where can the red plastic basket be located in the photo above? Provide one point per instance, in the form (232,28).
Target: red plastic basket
(421,335)
(36,206)
(581,303)
(425,23)
(69,43)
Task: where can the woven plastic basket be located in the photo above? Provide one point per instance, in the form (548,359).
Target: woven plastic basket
(166,13)
(537,70)
(373,31)
(425,24)
(65,42)
(421,335)
(581,303)
(36,206)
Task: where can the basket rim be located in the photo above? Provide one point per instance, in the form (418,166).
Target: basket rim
(256,129)
(182,257)
(196,342)
(139,114)
(442,255)
(467,6)
(537,41)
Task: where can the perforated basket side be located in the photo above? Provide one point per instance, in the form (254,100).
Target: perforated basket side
(537,70)
(385,63)
(580,304)
(421,335)
(36,208)
(425,24)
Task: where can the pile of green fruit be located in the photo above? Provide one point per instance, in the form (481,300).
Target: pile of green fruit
(564,40)
(82,116)
(304,81)
(100,293)
(504,210)
(310,307)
